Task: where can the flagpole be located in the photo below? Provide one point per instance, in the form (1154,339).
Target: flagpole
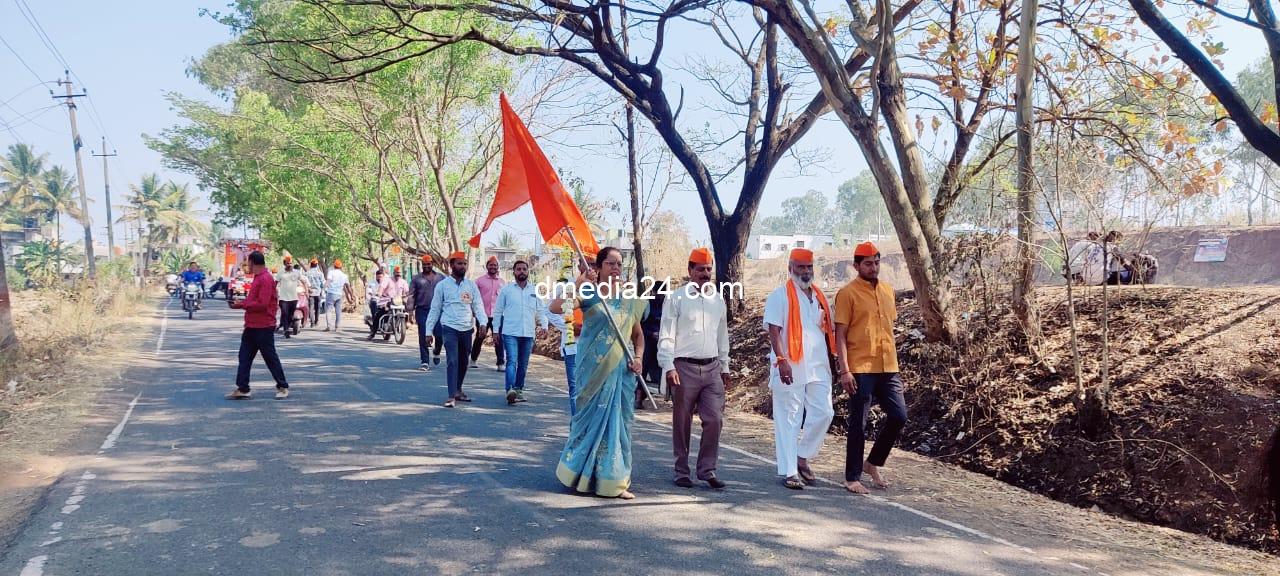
(613,326)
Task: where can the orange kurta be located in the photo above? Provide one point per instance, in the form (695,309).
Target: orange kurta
(869,311)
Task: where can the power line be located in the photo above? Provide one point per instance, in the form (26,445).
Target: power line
(30,16)
(30,117)
(23,61)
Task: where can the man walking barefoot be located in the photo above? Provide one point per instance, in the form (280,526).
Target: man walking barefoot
(801,337)
(693,350)
(868,362)
(259,334)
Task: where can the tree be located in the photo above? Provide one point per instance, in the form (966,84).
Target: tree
(19,172)
(176,216)
(143,205)
(42,262)
(1024,295)
(859,206)
(1251,118)
(508,240)
(57,196)
(326,47)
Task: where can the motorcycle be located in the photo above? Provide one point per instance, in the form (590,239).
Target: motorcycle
(393,321)
(239,289)
(191,295)
(171,285)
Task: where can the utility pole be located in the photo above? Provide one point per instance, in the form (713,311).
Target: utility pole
(106,183)
(84,197)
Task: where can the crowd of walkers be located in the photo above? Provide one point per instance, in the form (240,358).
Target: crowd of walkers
(813,345)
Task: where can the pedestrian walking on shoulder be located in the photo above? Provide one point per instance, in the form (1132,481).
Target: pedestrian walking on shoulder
(259,330)
(489,285)
(693,350)
(422,289)
(520,315)
(456,305)
(868,363)
(570,326)
(801,339)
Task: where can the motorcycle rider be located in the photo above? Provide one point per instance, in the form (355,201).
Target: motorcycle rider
(193,275)
(396,287)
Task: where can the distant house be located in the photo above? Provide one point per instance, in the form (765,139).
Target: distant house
(769,246)
(30,231)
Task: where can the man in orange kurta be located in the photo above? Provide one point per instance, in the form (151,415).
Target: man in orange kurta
(868,364)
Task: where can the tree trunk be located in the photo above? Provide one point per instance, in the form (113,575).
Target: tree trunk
(633,183)
(1024,303)
(8,338)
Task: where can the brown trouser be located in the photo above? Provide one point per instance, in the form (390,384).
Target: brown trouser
(702,387)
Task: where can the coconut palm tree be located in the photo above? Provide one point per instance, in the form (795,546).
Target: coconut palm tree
(19,170)
(57,196)
(144,205)
(507,240)
(176,216)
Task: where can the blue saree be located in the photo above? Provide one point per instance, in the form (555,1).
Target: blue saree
(597,456)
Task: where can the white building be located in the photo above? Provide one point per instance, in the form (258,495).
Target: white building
(768,246)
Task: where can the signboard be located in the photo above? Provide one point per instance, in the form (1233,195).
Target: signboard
(1211,250)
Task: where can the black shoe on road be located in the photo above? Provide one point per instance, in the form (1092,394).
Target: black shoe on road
(716,483)
(684,482)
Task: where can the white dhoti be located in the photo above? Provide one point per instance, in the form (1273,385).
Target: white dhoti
(802,414)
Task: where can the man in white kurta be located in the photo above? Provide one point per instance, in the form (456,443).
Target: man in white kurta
(800,376)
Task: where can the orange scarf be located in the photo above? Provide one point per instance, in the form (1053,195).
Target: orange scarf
(795,332)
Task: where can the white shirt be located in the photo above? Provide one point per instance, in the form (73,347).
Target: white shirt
(287,284)
(337,282)
(371,289)
(815,366)
(517,309)
(693,326)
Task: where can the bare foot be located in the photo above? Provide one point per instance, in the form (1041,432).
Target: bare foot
(876,479)
(856,487)
(626,495)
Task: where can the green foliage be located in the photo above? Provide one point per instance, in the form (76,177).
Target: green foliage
(42,262)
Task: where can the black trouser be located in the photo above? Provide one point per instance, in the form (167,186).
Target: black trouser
(887,390)
(376,312)
(457,347)
(253,341)
(437,333)
(287,307)
(420,317)
(479,342)
(314,310)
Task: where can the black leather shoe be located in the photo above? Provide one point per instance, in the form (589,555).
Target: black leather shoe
(684,482)
(716,483)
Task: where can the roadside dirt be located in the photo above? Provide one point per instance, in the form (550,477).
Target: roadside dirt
(57,376)
(1196,390)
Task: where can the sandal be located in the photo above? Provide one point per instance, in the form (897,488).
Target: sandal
(463,398)
(807,475)
(793,482)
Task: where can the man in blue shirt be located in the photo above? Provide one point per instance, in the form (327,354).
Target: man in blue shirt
(193,275)
(457,305)
(515,312)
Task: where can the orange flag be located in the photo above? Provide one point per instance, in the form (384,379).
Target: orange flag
(527,176)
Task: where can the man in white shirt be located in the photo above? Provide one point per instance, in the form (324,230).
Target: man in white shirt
(693,351)
(515,312)
(287,285)
(801,337)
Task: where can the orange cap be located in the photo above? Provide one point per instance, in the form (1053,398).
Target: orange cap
(866,250)
(288,259)
(426,258)
(458,255)
(493,259)
(396,270)
(700,256)
(337,263)
(801,256)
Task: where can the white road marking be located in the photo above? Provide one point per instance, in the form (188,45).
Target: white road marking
(35,566)
(164,325)
(369,393)
(110,442)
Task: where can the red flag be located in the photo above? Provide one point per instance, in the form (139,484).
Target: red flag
(527,176)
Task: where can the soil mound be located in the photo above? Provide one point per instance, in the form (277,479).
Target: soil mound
(1196,392)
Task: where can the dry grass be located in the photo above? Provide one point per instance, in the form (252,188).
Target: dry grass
(55,329)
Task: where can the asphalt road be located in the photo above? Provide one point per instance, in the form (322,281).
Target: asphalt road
(362,471)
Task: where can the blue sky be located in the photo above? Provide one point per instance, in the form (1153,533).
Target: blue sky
(129,54)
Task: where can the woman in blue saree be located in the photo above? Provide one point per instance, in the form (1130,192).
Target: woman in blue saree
(597,457)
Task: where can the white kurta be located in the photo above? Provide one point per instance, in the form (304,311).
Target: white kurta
(802,410)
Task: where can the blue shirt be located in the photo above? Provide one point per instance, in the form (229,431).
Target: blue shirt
(457,304)
(193,276)
(517,309)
